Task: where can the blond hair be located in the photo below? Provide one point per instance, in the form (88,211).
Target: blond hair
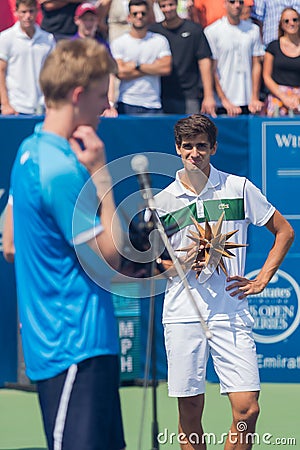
(71,64)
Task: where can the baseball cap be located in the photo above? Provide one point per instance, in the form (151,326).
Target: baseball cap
(84,8)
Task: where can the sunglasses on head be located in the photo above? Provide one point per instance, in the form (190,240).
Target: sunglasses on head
(142,13)
(232,2)
(294,20)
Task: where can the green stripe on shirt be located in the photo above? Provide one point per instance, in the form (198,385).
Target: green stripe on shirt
(233,208)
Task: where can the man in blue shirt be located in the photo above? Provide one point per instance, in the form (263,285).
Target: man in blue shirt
(59,179)
(267,14)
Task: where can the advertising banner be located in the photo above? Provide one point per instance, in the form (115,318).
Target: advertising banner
(275,167)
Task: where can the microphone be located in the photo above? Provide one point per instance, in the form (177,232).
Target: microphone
(140,164)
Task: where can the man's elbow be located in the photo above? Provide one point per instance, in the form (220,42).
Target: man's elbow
(120,75)
(290,235)
(113,260)
(9,253)
(166,70)
(287,235)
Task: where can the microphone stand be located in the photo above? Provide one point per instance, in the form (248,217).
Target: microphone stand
(155,428)
(147,195)
(151,358)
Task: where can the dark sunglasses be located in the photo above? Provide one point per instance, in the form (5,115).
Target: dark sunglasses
(241,2)
(143,13)
(294,20)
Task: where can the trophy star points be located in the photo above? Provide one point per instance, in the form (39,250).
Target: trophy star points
(210,246)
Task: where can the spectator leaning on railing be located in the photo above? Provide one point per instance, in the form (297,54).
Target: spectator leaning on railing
(142,58)
(189,87)
(237,48)
(281,69)
(23,50)
(267,14)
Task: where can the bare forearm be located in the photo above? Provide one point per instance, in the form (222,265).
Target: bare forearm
(272,86)
(283,241)
(206,70)
(103,8)
(256,79)
(111,88)
(151,15)
(109,241)
(8,235)
(131,74)
(128,70)
(219,90)
(160,67)
(3,88)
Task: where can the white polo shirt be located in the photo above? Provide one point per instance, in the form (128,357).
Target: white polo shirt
(243,203)
(25,58)
(233,47)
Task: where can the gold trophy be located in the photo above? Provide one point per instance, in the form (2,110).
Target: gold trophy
(209,246)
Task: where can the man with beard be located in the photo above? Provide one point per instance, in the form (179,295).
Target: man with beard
(142,58)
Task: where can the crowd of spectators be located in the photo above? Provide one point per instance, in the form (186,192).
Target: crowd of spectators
(223,57)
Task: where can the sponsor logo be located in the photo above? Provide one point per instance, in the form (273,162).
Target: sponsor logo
(276,310)
(223,206)
(185,34)
(287,140)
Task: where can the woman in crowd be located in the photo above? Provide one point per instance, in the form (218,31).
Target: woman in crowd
(281,69)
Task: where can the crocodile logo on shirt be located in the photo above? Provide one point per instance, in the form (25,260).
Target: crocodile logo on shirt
(223,206)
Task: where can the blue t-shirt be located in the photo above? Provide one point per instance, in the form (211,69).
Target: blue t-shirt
(66,317)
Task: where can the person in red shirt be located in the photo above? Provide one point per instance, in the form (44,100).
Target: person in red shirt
(7,18)
(206,12)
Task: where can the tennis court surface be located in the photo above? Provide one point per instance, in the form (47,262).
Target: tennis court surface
(278,424)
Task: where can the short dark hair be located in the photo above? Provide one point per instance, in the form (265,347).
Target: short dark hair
(191,126)
(176,1)
(27,3)
(138,3)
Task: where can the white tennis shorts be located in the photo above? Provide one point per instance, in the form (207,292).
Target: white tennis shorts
(233,352)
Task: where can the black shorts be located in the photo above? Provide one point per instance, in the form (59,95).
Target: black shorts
(81,406)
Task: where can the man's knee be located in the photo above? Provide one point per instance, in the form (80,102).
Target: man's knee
(247,412)
(252,412)
(191,407)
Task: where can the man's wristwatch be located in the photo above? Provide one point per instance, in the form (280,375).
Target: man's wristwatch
(137,67)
